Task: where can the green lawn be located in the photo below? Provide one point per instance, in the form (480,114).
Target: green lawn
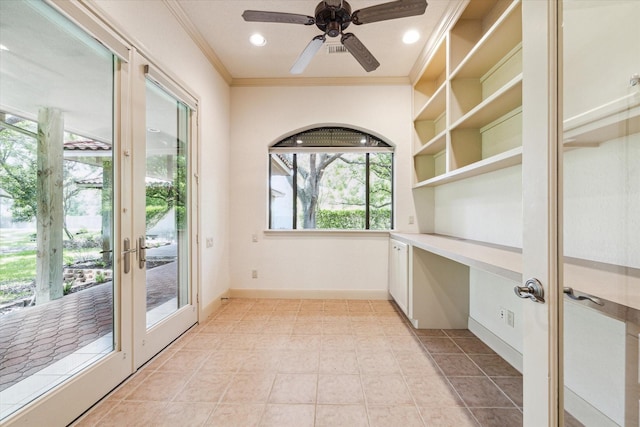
(16,238)
(18,268)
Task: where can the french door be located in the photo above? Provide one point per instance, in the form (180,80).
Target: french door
(581,198)
(161,241)
(600,210)
(106,142)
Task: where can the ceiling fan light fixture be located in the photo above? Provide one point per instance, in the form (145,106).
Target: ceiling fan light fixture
(332,17)
(410,37)
(257,40)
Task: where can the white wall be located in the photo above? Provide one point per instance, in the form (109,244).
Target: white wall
(261,116)
(489,293)
(487,208)
(159,36)
(602,202)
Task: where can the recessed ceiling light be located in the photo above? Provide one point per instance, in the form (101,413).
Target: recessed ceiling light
(411,37)
(3,47)
(257,40)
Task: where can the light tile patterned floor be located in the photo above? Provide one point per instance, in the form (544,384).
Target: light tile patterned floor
(268,362)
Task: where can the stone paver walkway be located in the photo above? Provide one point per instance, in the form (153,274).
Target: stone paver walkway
(35,337)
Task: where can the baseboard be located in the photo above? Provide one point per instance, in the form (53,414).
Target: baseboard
(207,311)
(310,294)
(508,353)
(584,412)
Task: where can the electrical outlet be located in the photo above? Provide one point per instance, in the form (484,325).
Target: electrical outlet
(254,238)
(209,242)
(254,274)
(510,318)
(411,219)
(502,313)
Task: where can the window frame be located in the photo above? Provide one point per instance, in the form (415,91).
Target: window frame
(377,146)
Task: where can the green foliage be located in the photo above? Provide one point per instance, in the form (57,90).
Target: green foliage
(18,170)
(100,277)
(18,266)
(155,213)
(353,219)
(66,288)
(162,197)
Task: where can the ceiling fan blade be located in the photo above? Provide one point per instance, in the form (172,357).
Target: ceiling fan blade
(360,52)
(307,54)
(392,10)
(279,17)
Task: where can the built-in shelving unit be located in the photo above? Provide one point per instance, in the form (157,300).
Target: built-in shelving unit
(467,110)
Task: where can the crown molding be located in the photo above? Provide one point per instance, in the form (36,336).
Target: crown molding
(198,39)
(321,81)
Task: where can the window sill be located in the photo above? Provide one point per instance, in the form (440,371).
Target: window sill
(327,233)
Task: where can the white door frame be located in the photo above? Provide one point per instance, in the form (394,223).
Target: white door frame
(148,342)
(540,210)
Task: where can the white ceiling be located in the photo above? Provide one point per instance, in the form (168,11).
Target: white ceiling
(220,24)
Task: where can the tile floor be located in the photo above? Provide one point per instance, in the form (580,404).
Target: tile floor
(268,362)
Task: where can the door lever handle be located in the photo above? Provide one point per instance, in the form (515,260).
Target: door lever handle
(142,245)
(532,289)
(127,254)
(569,292)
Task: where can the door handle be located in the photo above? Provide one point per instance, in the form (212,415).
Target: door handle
(142,256)
(532,289)
(569,292)
(127,254)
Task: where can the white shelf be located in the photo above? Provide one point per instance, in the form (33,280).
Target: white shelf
(499,161)
(499,40)
(506,99)
(609,121)
(434,145)
(435,106)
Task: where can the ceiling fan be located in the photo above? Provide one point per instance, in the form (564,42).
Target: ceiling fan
(332,17)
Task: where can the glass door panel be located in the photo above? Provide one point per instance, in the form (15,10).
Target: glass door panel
(600,210)
(166,237)
(163,302)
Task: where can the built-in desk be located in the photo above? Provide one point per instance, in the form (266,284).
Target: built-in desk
(430,253)
(501,260)
(438,279)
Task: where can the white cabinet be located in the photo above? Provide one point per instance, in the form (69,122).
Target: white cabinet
(399,273)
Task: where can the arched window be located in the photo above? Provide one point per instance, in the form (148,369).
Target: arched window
(331,178)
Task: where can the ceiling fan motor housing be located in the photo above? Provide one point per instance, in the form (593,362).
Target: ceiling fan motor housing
(332,20)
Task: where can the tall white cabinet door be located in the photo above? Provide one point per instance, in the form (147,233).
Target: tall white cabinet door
(399,273)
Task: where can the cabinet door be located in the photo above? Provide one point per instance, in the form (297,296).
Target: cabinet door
(398,273)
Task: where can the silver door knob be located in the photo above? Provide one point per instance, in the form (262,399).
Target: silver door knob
(532,289)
